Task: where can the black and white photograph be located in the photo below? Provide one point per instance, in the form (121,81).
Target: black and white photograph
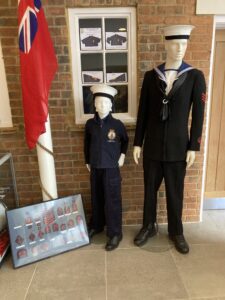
(92,77)
(116,77)
(116,40)
(90,39)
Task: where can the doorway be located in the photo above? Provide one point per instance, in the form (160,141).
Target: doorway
(214,197)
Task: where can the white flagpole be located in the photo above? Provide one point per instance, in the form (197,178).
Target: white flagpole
(47,164)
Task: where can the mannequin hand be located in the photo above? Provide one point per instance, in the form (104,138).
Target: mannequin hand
(88,167)
(121,160)
(136,153)
(190,158)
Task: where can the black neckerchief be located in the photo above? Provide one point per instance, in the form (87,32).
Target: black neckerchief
(161,83)
(165,110)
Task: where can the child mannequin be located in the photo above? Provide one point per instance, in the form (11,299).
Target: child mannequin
(105,146)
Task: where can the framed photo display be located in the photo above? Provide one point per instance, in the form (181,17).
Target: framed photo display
(45,229)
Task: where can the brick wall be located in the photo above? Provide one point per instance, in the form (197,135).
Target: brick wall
(72,176)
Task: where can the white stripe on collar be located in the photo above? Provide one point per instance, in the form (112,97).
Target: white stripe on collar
(185,70)
(161,75)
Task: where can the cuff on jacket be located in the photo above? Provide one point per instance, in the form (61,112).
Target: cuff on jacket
(194,147)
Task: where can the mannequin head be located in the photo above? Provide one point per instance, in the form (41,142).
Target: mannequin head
(103,106)
(175,49)
(176,39)
(103,99)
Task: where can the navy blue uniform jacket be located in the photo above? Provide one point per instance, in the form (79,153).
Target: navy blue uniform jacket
(170,140)
(105,140)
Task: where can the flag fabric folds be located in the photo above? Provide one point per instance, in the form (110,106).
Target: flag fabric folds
(38,65)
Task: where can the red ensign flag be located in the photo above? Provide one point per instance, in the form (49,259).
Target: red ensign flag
(38,65)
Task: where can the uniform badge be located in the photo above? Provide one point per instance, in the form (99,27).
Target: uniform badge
(199,140)
(204,97)
(111,134)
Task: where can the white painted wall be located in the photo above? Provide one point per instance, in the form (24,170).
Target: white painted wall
(5,111)
(210,7)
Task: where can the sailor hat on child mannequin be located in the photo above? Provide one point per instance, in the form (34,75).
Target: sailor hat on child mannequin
(104,91)
(103,98)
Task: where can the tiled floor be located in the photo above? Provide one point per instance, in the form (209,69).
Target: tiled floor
(153,272)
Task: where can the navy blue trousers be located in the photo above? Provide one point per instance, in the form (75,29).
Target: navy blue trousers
(106,200)
(173,174)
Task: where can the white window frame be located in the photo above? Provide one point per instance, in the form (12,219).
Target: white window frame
(107,12)
(5,109)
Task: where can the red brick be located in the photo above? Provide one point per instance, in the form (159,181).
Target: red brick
(55,10)
(151,20)
(177,20)
(170,10)
(6,12)
(146,10)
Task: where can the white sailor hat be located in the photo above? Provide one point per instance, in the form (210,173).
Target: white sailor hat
(104,91)
(174,32)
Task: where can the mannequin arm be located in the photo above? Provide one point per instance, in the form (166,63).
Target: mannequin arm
(88,167)
(190,158)
(121,160)
(136,153)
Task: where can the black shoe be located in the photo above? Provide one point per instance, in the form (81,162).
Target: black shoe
(92,232)
(144,234)
(113,242)
(180,243)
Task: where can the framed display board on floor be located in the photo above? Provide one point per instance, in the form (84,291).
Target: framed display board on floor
(45,229)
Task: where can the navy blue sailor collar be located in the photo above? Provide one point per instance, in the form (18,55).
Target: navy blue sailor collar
(184,67)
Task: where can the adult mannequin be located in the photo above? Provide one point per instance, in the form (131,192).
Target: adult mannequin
(105,146)
(168,93)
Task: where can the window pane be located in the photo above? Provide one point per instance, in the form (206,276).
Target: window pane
(116,33)
(90,34)
(121,99)
(92,68)
(88,100)
(116,67)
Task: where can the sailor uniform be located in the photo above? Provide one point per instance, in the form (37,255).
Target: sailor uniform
(173,174)
(169,140)
(91,41)
(105,140)
(116,40)
(162,124)
(106,201)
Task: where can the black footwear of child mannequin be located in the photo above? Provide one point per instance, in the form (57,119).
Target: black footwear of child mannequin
(113,242)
